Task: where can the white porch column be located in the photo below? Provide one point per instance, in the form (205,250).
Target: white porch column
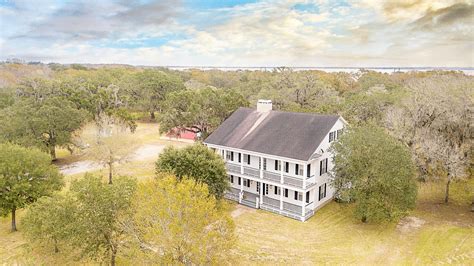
(241,163)
(281,171)
(281,198)
(303,206)
(305,167)
(241,189)
(261,167)
(261,192)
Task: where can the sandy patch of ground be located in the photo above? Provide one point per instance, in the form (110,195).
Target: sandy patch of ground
(79,167)
(239,210)
(410,224)
(145,152)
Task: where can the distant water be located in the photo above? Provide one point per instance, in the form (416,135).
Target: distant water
(466,70)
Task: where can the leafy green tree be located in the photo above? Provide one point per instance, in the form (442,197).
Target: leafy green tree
(97,231)
(149,88)
(376,171)
(6,98)
(46,124)
(369,79)
(363,106)
(176,222)
(25,176)
(49,221)
(99,92)
(197,162)
(200,110)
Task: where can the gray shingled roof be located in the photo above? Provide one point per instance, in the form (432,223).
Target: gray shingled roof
(286,134)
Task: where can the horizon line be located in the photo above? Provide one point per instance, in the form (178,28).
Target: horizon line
(252,67)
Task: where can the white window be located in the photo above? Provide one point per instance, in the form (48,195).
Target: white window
(277,165)
(323,166)
(247,158)
(332,136)
(322,191)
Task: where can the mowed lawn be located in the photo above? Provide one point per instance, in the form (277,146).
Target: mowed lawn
(444,234)
(436,233)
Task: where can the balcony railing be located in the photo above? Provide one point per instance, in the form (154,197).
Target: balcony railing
(252,172)
(233,168)
(271,176)
(267,175)
(292,181)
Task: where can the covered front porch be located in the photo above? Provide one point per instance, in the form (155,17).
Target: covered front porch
(263,202)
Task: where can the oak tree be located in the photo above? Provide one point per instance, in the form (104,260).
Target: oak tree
(376,172)
(26,174)
(176,222)
(196,162)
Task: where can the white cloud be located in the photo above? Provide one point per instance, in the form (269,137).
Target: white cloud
(267,33)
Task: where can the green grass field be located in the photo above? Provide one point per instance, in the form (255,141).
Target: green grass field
(444,233)
(332,236)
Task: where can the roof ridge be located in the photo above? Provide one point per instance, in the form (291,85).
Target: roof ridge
(292,112)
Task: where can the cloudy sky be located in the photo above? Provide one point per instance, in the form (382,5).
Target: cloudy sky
(240,33)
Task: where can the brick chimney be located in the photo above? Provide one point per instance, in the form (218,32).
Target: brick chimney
(264,105)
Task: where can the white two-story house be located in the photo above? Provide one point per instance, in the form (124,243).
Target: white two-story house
(278,161)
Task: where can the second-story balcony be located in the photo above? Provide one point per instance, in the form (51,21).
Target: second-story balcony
(275,177)
(252,172)
(232,167)
(294,181)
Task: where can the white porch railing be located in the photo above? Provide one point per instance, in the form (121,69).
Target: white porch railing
(272,202)
(233,168)
(252,172)
(271,176)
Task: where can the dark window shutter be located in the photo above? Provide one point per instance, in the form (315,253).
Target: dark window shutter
(308,170)
(296,195)
(307,197)
(240,157)
(297,166)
